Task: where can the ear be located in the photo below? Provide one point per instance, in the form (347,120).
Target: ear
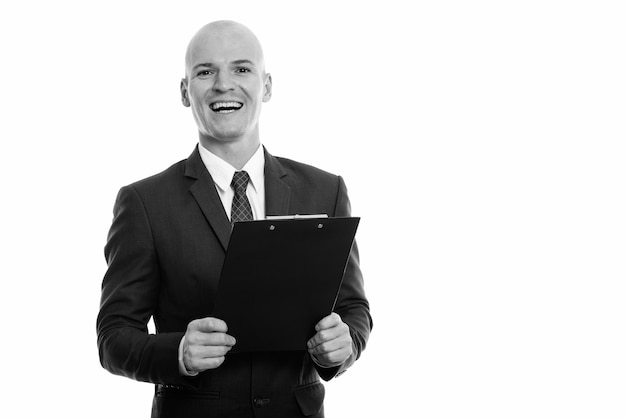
(183,92)
(267,95)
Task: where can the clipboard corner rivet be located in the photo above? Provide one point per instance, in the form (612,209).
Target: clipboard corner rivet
(320,226)
(272,227)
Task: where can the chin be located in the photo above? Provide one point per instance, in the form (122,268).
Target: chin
(224,135)
(229,135)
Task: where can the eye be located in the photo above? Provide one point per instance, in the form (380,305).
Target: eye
(242,70)
(205,73)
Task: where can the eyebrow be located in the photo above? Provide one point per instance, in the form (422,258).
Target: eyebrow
(236,62)
(239,62)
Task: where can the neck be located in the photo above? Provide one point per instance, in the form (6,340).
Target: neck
(236,153)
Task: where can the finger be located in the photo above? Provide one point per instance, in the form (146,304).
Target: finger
(206,351)
(329,334)
(334,358)
(208,324)
(210,338)
(220,338)
(328,321)
(341,339)
(323,336)
(197,358)
(201,364)
(330,346)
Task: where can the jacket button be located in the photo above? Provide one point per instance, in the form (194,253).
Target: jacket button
(260,402)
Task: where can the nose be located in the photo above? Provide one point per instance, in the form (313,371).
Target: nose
(223,82)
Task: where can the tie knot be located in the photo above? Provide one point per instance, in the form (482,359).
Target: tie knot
(240,181)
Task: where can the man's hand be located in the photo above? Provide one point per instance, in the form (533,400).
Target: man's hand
(206,344)
(332,344)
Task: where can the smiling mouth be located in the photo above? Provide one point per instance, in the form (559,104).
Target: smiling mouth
(225,107)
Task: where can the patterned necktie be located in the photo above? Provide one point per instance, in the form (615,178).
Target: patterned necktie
(241,210)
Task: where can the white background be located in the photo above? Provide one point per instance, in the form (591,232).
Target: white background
(482,143)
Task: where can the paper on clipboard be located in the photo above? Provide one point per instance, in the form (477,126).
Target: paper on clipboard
(280,277)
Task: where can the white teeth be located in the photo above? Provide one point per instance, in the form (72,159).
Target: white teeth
(220,105)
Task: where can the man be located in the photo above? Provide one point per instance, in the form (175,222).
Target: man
(168,240)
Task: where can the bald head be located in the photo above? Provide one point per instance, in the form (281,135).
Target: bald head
(224,39)
(225,85)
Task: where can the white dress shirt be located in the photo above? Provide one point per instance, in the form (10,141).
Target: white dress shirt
(222,173)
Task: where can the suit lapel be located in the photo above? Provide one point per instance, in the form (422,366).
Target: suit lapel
(277,193)
(205,194)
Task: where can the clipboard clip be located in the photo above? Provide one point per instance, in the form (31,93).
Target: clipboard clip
(287,217)
(291,217)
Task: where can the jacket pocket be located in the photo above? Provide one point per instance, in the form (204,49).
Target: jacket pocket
(171,391)
(310,398)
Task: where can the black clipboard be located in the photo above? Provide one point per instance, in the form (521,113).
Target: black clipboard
(280,277)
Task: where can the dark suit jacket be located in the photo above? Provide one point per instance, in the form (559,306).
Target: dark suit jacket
(165,252)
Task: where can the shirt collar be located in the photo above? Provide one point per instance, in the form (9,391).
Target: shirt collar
(222,172)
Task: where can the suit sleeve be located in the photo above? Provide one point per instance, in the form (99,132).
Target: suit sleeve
(352,305)
(130,292)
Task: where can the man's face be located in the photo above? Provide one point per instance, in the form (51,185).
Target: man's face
(226,84)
